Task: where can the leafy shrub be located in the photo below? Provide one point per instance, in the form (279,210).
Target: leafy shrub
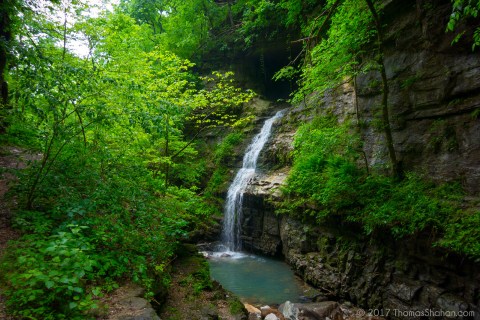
(225,149)
(326,180)
(93,232)
(462,233)
(49,276)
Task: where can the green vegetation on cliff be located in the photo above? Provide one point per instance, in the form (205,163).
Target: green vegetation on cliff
(327,184)
(330,179)
(122,175)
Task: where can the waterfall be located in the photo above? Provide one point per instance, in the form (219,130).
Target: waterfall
(233,207)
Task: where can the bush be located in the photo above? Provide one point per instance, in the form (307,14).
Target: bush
(325,177)
(462,233)
(92,232)
(224,150)
(49,276)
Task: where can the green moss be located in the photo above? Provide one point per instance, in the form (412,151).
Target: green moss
(198,279)
(235,306)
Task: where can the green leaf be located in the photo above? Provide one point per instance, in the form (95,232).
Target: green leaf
(49,284)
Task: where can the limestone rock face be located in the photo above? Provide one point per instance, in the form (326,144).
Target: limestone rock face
(434,102)
(434,92)
(311,311)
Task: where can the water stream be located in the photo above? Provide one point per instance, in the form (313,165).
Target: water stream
(233,207)
(254,279)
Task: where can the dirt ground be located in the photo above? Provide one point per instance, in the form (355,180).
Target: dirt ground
(11,159)
(190,297)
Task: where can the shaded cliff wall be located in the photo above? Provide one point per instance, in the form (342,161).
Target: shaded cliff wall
(374,272)
(434,102)
(434,96)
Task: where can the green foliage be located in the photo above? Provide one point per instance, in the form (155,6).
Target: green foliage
(320,147)
(223,155)
(462,233)
(463,10)
(224,151)
(217,181)
(180,27)
(407,207)
(338,55)
(49,276)
(261,20)
(326,183)
(118,183)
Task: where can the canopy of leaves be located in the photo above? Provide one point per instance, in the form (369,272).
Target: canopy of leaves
(117,185)
(464,10)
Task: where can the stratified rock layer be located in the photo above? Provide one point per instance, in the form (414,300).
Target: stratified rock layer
(434,104)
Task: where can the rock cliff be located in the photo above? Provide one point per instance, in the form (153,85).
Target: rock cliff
(434,103)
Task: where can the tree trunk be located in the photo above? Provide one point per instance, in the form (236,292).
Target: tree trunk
(167,164)
(385,114)
(5,38)
(230,17)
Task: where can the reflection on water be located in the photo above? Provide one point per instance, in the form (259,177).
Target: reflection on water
(255,279)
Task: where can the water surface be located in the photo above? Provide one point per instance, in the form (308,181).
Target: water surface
(254,279)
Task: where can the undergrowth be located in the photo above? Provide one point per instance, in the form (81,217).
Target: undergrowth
(89,234)
(326,182)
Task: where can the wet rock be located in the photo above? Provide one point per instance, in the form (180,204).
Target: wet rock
(252,309)
(320,310)
(451,302)
(260,226)
(266,311)
(289,310)
(253,312)
(271,316)
(404,291)
(311,311)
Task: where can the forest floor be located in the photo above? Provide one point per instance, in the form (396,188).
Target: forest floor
(11,158)
(192,295)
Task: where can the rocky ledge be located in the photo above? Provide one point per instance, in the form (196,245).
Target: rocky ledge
(311,311)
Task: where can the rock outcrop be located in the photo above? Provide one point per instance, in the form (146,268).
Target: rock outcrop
(128,303)
(434,102)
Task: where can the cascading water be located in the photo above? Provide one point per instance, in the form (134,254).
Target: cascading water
(233,207)
(254,279)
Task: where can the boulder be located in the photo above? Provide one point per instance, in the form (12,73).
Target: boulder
(289,311)
(266,310)
(311,311)
(253,312)
(129,305)
(271,316)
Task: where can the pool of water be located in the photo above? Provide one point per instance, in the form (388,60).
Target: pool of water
(255,279)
